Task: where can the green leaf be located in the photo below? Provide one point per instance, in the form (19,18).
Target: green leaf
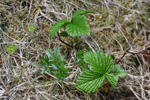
(112,80)
(81,12)
(118,72)
(31,28)
(64,34)
(89,81)
(60,59)
(48,69)
(11,48)
(113,57)
(57,50)
(80,53)
(78,26)
(55,66)
(50,53)
(83,67)
(44,69)
(56,26)
(99,62)
(45,60)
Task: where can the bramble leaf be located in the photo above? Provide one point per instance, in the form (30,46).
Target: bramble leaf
(56,26)
(78,26)
(99,62)
(89,81)
(112,80)
(81,12)
(118,72)
(100,65)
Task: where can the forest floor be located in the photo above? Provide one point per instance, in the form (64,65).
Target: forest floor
(115,27)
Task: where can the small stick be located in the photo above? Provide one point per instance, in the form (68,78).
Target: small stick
(116,62)
(64,41)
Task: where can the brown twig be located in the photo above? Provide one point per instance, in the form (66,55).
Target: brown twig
(116,61)
(64,41)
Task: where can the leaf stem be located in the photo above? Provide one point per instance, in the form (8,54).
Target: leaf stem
(64,41)
(117,61)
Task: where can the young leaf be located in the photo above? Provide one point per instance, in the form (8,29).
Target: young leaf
(50,53)
(57,50)
(81,12)
(89,81)
(44,69)
(31,28)
(112,80)
(44,60)
(11,48)
(78,26)
(99,62)
(48,69)
(55,66)
(118,72)
(56,26)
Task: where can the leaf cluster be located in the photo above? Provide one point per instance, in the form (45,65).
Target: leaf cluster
(58,64)
(76,27)
(101,66)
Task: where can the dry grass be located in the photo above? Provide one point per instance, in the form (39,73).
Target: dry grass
(115,26)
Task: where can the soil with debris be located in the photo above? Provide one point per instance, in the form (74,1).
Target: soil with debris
(115,26)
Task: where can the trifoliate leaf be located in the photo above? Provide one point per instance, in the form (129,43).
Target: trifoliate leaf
(118,72)
(81,12)
(99,62)
(112,80)
(11,48)
(31,28)
(89,81)
(78,26)
(56,26)
(116,68)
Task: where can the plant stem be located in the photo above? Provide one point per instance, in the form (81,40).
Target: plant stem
(64,41)
(117,61)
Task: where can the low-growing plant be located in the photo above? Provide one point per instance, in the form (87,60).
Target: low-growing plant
(31,28)
(11,48)
(58,64)
(101,66)
(76,27)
